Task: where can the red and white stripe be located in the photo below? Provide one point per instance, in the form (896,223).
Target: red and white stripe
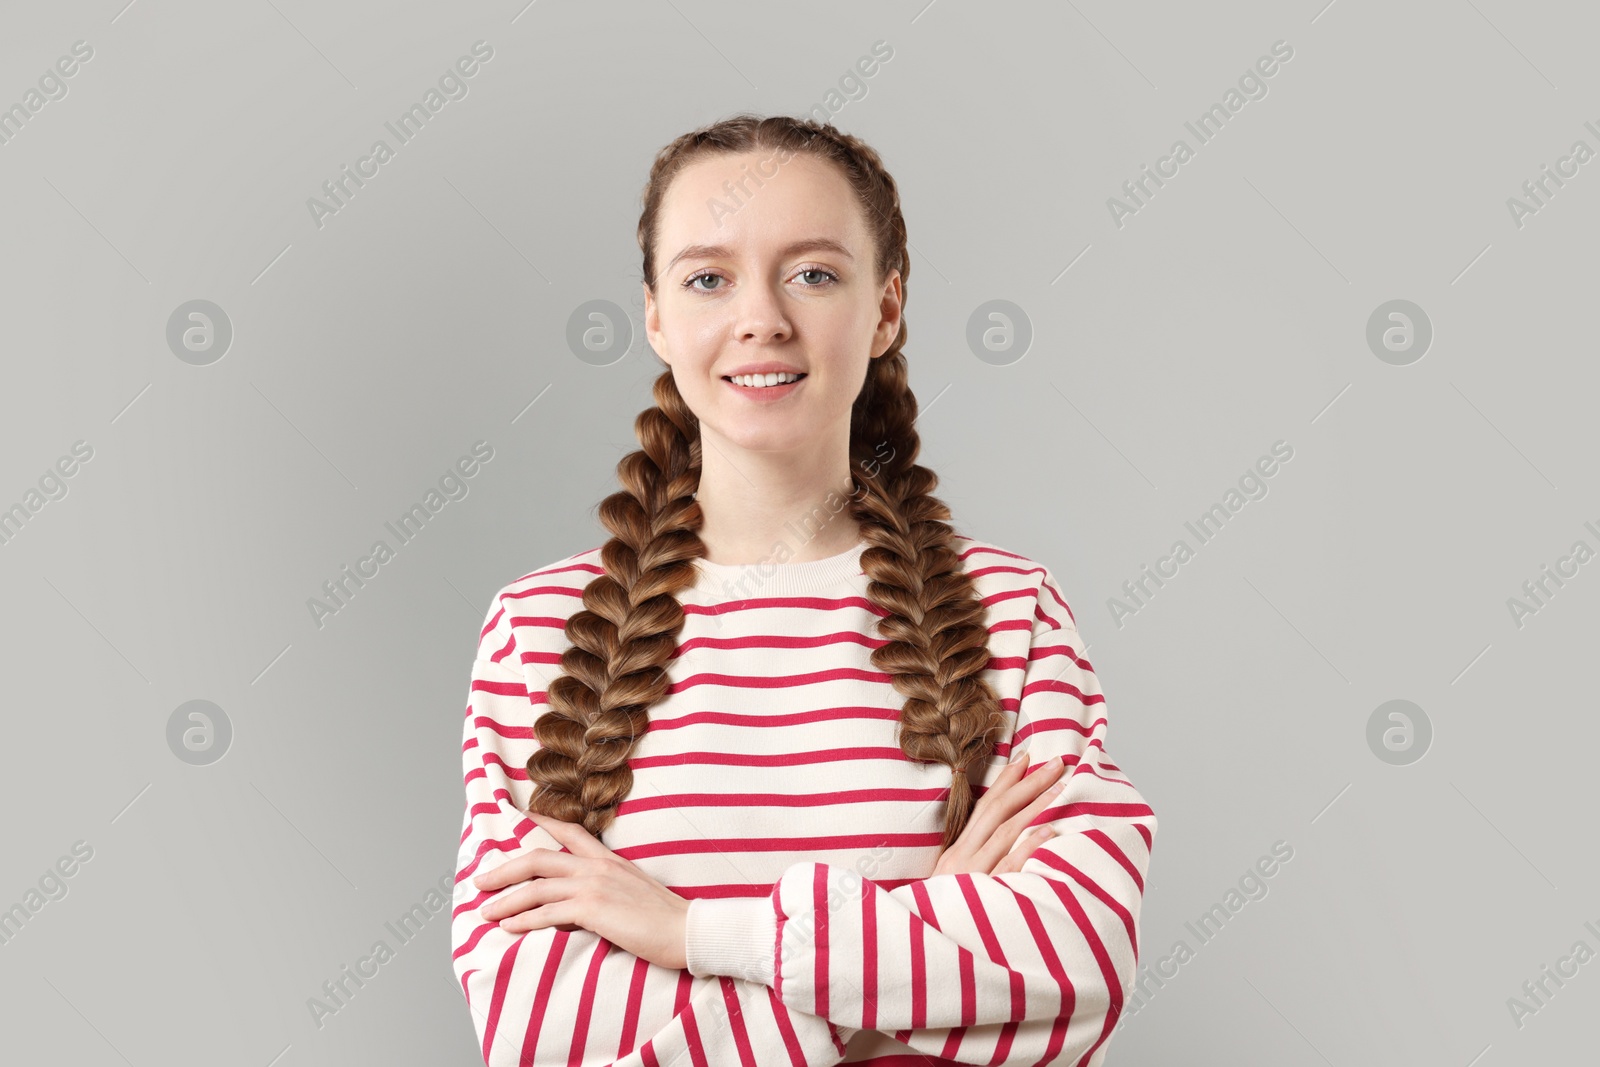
(771,791)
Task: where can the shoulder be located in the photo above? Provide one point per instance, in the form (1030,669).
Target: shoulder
(543,598)
(1003,575)
(563,577)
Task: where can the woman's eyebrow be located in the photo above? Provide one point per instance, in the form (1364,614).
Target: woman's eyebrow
(812,244)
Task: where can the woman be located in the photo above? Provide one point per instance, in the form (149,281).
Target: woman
(780,689)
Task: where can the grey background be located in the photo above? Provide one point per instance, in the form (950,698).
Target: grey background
(370,353)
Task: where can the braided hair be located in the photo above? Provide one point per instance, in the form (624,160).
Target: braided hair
(625,635)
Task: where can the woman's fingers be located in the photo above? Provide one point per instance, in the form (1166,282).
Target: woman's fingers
(987,814)
(524,897)
(1021,802)
(515,911)
(534,863)
(1030,841)
(577,841)
(996,837)
(998,801)
(1031,837)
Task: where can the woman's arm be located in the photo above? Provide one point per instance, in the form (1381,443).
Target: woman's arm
(550,996)
(1027,967)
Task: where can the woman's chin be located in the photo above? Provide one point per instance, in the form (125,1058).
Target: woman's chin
(771,433)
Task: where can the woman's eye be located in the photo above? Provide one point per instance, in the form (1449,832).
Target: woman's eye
(832,277)
(690,284)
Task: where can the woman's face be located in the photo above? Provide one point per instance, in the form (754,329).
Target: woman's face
(779,273)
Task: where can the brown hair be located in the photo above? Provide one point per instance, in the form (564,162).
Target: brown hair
(626,633)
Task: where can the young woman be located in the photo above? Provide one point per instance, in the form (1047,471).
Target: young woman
(748,783)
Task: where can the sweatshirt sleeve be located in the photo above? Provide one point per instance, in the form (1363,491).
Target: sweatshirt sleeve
(1025,967)
(572,998)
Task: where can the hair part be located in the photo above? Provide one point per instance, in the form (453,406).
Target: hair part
(625,636)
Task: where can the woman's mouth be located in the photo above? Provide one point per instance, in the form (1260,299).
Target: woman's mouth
(765,387)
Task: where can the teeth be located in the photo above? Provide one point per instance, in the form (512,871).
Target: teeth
(761,381)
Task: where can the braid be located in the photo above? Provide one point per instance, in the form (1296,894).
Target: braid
(624,637)
(937,643)
(626,632)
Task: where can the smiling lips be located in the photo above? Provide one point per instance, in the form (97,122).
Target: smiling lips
(765,393)
(757,379)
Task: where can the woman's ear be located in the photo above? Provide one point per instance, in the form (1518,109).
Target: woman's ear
(652,326)
(889,305)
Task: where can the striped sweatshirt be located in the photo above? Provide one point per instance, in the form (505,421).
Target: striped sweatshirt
(770,791)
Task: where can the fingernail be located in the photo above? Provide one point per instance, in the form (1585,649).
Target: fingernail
(1056,762)
(1058,787)
(1018,757)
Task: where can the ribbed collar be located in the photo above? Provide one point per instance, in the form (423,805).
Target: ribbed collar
(742,581)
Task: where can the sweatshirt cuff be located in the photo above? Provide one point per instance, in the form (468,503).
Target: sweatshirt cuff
(735,936)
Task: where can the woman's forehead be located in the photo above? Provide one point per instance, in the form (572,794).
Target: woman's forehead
(722,203)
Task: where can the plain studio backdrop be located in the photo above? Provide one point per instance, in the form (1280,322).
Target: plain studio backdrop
(1371,674)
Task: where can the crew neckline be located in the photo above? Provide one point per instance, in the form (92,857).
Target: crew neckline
(743,581)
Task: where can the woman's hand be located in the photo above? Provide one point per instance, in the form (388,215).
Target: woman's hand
(592,888)
(998,819)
